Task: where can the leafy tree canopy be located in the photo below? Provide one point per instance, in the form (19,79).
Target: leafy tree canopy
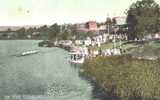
(54,31)
(143,17)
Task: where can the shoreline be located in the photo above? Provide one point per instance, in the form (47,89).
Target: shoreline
(99,91)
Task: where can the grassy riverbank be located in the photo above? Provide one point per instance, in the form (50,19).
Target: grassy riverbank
(125,77)
(109,45)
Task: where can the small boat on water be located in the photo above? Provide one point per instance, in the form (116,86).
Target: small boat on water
(78,55)
(29,52)
(77,58)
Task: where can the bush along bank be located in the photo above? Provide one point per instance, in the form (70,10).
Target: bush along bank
(124,77)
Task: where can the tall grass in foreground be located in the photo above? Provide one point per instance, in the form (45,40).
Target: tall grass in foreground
(126,78)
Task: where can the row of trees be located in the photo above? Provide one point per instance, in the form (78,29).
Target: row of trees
(143,17)
(52,32)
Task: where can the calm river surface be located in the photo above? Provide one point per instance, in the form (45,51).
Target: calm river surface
(49,67)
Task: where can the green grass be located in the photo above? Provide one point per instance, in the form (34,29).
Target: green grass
(124,76)
(151,49)
(148,49)
(110,45)
(103,46)
(154,45)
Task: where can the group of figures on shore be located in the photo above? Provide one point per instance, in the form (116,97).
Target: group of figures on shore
(80,49)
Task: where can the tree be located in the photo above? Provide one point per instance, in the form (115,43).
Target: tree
(54,31)
(143,17)
(21,32)
(90,34)
(9,30)
(30,30)
(109,23)
(66,35)
(43,28)
(81,35)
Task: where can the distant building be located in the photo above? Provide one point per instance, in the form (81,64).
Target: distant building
(103,28)
(86,27)
(91,25)
(120,20)
(120,26)
(81,27)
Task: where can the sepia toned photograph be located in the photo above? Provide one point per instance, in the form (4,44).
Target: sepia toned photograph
(79,49)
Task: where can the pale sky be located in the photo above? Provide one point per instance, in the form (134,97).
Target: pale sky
(34,12)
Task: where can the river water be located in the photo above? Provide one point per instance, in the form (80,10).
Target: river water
(49,68)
